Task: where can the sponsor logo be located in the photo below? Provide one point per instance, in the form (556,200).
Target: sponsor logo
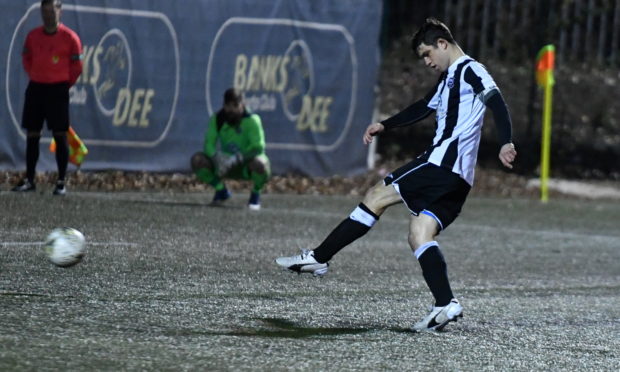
(305,102)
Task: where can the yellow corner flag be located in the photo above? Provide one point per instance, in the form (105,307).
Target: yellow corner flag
(545,63)
(77,149)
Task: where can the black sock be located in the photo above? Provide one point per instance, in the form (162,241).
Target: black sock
(349,230)
(62,155)
(435,273)
(32,156)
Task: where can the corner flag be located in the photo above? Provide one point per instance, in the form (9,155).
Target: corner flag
(545,63)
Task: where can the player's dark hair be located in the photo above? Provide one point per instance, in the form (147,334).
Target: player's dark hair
(233,95)
(431,31)
(57,3)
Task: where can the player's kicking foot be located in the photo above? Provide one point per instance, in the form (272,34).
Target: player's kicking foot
(303,263)
(439,317)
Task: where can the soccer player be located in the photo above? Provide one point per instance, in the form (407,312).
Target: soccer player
(52,57)
(433,186)
(234,147)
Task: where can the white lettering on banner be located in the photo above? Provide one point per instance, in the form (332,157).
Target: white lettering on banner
(270,74)
(265,73)
(263,102)
(78,95)
(314,114)
(91,59)
(128,106)
(91,70)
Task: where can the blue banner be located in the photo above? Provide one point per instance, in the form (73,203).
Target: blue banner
(155,71)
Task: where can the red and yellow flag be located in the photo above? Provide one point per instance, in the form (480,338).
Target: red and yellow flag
(545,63)
(77,149)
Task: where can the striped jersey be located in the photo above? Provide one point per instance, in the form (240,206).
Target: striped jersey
(459,101)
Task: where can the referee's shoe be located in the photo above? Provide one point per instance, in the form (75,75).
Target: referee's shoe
(24,186)
(303,263)
(60,188)
(439,317)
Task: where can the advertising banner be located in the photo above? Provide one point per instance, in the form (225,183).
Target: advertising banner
(155,71)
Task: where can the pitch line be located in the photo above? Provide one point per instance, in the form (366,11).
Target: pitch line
(7,244)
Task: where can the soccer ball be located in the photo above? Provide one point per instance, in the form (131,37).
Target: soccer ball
(64,246)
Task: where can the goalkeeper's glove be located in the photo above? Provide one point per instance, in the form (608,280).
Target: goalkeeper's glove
(227,162)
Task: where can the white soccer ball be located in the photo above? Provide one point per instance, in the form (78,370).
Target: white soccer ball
(65,246)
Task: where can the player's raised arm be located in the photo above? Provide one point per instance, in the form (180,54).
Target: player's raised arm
(412,114)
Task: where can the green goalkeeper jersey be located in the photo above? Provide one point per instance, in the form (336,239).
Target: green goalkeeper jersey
(246,138)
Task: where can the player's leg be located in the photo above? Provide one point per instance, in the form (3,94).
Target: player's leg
(259,171)
(422,232)
(377,199)
(359,222)
(33,138)
(423,228)
(204,168)
(434,195)
(57,115)
(62,161)
(33,116)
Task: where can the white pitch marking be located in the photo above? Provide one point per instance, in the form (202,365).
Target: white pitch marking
(5,244)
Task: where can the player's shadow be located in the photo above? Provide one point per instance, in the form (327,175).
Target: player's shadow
(281,328)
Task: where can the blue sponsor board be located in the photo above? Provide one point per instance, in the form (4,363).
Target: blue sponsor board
(154,71)
(288,80)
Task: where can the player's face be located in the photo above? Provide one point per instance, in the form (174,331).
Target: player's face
(234,111)
(233,108)
(51,16)
(435,57)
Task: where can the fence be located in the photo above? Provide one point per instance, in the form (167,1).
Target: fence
(584,31)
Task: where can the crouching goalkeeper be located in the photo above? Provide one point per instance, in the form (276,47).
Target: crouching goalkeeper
(234,148)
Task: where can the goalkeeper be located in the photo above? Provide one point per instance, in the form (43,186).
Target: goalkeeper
(234,148)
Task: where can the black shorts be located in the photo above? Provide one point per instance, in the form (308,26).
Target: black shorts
(46,102)
(429,189)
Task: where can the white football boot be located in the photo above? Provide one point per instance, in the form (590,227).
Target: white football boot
(303,263)
(439,317)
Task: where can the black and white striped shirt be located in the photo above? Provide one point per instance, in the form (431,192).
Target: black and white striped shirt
(459,100)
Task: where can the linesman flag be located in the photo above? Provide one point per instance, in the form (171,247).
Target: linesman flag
(77,149)
(545,62)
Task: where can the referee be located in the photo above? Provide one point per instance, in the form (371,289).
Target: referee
(433,186)
(52,57)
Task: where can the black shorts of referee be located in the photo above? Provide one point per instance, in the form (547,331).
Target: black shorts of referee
(49,103)
(429,189)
